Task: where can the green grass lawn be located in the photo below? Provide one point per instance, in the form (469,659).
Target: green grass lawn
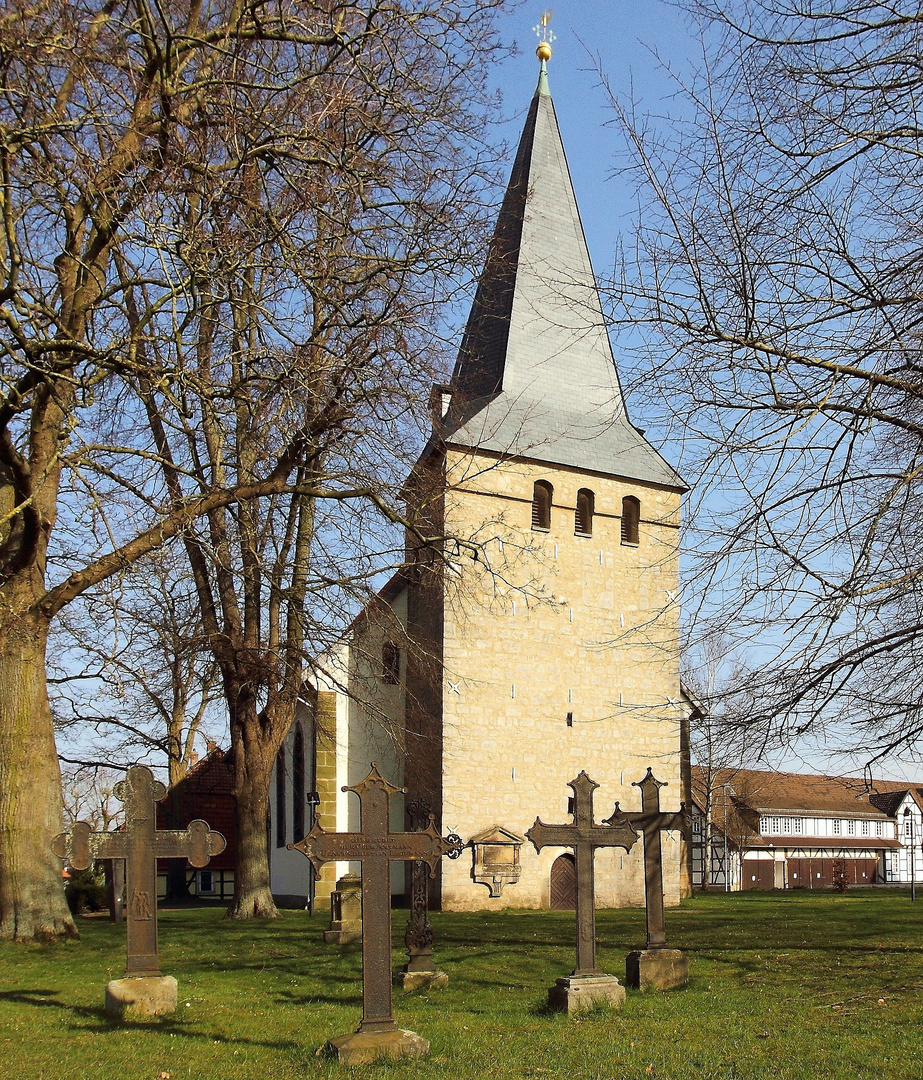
(782,985)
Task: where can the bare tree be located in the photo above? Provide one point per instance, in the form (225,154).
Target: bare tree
(780,277)
(131,675)
(160,366)
(722,741)
(89,796)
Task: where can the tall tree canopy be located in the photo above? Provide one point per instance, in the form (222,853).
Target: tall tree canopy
(781,276)
(227,230)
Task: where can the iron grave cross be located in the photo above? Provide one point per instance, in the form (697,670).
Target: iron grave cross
(376,847)
(583,836)
(652,822)
(140,844)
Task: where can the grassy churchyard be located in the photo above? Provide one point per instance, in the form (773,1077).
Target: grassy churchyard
(788,985)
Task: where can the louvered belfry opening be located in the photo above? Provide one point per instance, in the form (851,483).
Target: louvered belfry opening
(541,504)
(631,518)
(583,518)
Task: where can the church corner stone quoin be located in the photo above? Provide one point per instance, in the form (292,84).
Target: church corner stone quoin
(556,649)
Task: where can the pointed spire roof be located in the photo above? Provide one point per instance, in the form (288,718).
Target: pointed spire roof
(535,376)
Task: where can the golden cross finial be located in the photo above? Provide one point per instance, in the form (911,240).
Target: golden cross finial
(545,36)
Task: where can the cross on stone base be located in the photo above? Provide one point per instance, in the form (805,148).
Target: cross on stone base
(375,847)
(586,984)
(140,844)
(655,967)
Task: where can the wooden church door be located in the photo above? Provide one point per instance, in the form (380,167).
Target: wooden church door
(563,883)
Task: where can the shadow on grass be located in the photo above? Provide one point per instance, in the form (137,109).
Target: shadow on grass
(96,1020)
(40,998)
(101,1024)
(286,997)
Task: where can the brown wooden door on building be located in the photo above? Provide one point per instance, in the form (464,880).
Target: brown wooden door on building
(563,883)
(757,874)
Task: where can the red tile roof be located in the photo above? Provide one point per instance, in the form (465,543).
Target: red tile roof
(740,796)
(780,792)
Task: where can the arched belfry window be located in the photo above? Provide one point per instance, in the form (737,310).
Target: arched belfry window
(542,495)
(586,507)
(631,518)
(298,802)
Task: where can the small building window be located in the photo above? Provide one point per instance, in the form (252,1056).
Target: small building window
(631,519)
(879,828)
(281,829)
(865,828)
(851,828)
(542,494)
(390,663)
(586,507)
(837,827)
(797,825)
(206,881)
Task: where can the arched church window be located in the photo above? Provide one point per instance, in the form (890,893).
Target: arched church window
(298,785)
(281,829)
(631,518)
(586,507)
(542,495)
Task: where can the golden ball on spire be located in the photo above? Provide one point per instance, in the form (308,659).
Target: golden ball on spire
(543,52)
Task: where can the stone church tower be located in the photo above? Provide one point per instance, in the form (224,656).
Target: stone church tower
(549,644)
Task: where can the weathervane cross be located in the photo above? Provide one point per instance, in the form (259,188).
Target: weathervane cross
(541,30)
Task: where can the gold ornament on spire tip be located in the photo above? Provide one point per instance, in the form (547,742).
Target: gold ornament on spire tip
(545,36)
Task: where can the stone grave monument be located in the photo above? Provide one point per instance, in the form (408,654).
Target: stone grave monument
(376,847)
(655,967)
(586,985)
(143,991)
(345,911)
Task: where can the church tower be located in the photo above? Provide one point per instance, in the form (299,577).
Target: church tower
(540,638)
(552,645)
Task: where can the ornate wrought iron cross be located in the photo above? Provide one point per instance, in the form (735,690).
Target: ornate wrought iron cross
(140,843)
(584,837)
(376,847)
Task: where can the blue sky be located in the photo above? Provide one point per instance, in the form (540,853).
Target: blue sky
(634,45)
(631,43)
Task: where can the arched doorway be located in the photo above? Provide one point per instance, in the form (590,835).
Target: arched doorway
(564,883)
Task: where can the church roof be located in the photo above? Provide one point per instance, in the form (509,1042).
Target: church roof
(535,376)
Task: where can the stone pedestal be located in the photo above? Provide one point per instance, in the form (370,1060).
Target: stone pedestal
(364,1047)
(656,969)
(578,992)
(409,980)
(345,911)
(145,995)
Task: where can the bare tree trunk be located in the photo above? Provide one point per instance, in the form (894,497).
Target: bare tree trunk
(252,893)
(32,903)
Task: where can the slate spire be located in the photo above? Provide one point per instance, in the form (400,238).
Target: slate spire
(535,375)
